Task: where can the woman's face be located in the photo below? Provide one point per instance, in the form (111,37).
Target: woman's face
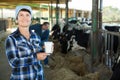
(24,19)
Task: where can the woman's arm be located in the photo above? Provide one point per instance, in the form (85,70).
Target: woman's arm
(14,59)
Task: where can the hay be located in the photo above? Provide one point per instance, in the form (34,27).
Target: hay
(91,76)
(65,74)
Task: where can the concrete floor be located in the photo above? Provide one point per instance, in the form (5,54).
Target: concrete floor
(4,66)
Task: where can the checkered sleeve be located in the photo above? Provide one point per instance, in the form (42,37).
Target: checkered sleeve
(13,56)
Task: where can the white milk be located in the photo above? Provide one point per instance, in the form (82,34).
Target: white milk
(48,47)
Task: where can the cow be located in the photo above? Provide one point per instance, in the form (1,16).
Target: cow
(116,70)
(72,35)
(82,38)
(66,39)
(55,31)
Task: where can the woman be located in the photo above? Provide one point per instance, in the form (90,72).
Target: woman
(23,48)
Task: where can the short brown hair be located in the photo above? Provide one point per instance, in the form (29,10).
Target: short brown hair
(46,23)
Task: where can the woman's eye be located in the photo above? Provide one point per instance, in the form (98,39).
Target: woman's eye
(21,15)
(27,15)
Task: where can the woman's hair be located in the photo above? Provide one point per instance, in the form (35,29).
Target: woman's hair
(25,10)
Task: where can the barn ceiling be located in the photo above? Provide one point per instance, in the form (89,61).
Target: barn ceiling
(33,3)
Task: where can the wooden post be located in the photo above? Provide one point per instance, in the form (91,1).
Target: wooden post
(66,11)
(57,11)
(94,33)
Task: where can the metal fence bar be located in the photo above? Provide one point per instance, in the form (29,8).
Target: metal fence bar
(109,43)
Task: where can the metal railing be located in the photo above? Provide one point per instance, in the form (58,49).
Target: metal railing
(111,45)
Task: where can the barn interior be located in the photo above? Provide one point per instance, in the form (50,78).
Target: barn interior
(89,52)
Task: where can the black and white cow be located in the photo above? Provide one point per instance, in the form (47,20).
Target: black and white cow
(116,70)
(71,36)
(55,31)
(66,39)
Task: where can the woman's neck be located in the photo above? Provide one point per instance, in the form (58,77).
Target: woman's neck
(25,32)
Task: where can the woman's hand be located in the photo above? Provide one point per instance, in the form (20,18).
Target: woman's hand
(42,55)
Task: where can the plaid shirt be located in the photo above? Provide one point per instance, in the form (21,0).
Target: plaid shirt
(21,54)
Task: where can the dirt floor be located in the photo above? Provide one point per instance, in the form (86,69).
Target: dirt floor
(75,65)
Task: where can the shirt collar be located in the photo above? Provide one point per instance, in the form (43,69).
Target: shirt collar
(17,32)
